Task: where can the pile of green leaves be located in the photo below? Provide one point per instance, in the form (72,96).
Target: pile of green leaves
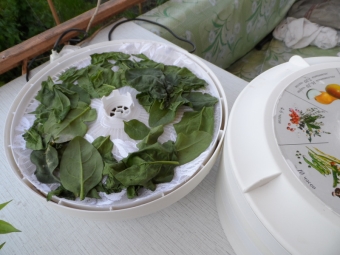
(84,169)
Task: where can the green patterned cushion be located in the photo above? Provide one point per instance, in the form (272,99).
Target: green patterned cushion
(273,53)
(222,30)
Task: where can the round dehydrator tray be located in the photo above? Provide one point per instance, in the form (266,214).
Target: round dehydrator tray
(116,205)
(278,189)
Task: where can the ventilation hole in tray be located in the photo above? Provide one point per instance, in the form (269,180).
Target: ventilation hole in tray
(119,111)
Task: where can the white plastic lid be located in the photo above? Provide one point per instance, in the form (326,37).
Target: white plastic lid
(294,202)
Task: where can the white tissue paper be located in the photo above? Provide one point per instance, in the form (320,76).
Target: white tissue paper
(123,144)
(299,33)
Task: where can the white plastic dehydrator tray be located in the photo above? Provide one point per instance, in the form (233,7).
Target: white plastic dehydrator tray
(276,192)
(116,205)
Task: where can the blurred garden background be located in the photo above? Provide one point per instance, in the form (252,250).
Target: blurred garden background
(23,19)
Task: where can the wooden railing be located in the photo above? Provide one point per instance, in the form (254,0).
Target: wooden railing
(21,53)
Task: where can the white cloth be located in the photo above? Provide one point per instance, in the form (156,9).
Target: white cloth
(299,33)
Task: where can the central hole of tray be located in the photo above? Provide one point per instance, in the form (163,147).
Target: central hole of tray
(119,111)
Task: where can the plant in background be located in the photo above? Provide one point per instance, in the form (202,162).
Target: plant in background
(5,227)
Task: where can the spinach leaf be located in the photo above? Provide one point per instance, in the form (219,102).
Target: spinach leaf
(102,58)
(187,80)
(60,192)
(145,79)
(52,98)
(151,137)
(46,161)
(190,146)
(97,81)
(82,94)
(73,125)
(198,100)
(81,167)
(196,121)
(135,129)
(132,191)
(147,63)
(33,139)
(104,146)
(150,165)
(72,74)
(160,116)
(145,100)
(138,174)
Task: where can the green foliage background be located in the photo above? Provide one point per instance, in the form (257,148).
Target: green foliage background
(22,19)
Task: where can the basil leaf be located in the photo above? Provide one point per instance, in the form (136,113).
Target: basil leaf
(46,162)
(194,121)
(81,167)
(73,125)
(199,100)
(190,146)
(135,129)
(6,228)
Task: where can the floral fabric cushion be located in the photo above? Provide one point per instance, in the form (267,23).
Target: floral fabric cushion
(274,53)
(222,30)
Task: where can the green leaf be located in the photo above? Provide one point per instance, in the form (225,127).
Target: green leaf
(104,145)
(73,125)
(72,74)
(93,193)
(186,79)
(144,79)
(33,139)
(70,94)
(101,58)
(196,121)
(60,104)
(132,191)
(60,192)
(2,245)
(192,145)
(152,137)
(160,116)
(199,100)
(46,162)
(81,167)
(82,94)
(145,100)
(6,228)
(4,204)
(135,129)
(138,174)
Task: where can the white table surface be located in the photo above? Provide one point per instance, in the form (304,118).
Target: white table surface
(189,226)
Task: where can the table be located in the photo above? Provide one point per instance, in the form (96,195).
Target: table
(189,226)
